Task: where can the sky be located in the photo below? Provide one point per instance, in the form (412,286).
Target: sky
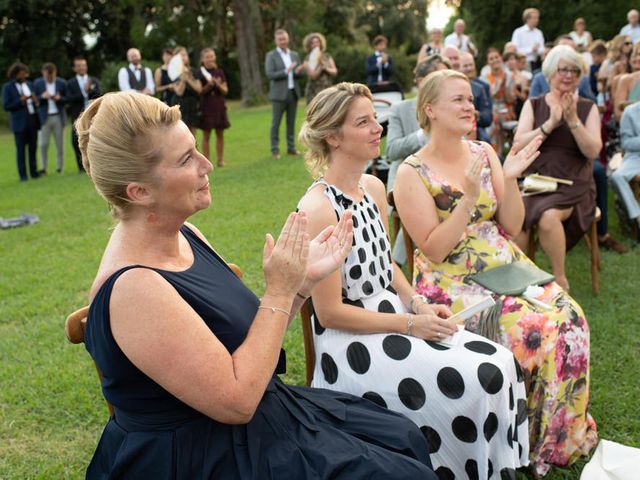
(439,14)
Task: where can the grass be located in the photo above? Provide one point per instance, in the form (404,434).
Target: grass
(51,408)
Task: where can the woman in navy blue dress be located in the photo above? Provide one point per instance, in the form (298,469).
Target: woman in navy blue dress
(189,355)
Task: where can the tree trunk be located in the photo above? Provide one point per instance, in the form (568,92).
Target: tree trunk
(250,63)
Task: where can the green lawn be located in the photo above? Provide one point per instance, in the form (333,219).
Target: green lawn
(51,408)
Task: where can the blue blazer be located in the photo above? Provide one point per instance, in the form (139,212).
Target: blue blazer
(18,112)
(371,66)
(40,86)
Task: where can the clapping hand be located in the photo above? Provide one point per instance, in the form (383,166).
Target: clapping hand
(328,250)
(471,184)
(285,261)
(569,104)
(518,160)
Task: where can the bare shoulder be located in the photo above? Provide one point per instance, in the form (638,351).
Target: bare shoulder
(320,212)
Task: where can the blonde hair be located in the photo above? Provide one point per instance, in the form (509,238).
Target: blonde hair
(309,38)
(115,135)
(325,116)
(562,52)
(429,92)
(615,47)
(528,12)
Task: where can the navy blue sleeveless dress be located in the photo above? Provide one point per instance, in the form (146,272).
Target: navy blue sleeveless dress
(296,432)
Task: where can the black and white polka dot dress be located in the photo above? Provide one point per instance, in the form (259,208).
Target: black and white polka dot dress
(468,399)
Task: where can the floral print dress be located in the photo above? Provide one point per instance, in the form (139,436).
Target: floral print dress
(551,346)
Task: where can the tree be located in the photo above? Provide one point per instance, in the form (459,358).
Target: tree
(244,14)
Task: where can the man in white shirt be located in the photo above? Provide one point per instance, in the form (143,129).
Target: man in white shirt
(282,67)
(633,27)
(136,77)
(51,93)
(459,40)
(528,38)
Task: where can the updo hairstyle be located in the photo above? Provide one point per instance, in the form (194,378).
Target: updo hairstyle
(325,116)
(430,93)
(116,135)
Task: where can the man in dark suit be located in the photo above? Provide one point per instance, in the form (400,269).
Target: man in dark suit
(80,90)
(379,65)
(481,96)
(51,93)
(282,67)
(19,100)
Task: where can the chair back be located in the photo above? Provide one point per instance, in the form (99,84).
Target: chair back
(397,226)
(307,334)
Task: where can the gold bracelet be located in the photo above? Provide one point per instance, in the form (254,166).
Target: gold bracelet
(274,309)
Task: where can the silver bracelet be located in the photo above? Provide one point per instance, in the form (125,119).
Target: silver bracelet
(409,324)
(274,309)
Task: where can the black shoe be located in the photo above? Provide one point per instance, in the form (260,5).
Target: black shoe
(41,173)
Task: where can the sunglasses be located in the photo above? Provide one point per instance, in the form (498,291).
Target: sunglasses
(564,71)
(628,43)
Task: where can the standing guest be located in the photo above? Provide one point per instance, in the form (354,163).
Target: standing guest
(580,36)
(80,90)
(379,65)
(528,38)
(481,97)
(284,91)
(19,100)
(630,142)
(632,29)
(461,207)
(375,338)
(503,97)
(135,76)
(319,76)
(570,126)
(432,47)
(459,40)
(214,109)
(186,92)
(189,355)
(51,94)
(164,84)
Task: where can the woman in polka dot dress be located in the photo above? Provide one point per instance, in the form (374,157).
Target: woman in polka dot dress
(461,207)
(466,395)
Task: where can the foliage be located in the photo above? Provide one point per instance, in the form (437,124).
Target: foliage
(51,408)
(491,23)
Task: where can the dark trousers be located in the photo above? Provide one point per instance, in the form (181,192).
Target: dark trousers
(602,189)
(76,147)
(27,140)
(277,109)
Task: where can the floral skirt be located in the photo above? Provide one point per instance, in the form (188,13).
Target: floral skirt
(552,347)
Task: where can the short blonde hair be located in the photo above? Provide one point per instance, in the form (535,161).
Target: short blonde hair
(325,116)
(115,135)
(429,92)
(309,38)
(528,12)
(562,52)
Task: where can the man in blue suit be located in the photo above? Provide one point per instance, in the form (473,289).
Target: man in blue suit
(18,99)
(51,93)
(379,66)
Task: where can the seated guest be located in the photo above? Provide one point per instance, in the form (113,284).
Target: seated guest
(187,352)
(628,90)
(370,327)
(502,97)
(481,98)
(630,142)
(570,126)
(460,208)
(379,65)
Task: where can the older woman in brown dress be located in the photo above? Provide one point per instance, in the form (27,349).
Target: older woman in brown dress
(571,129)
(214,110)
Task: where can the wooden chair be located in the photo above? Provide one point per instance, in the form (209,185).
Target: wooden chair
(591,239)
(396,225)
(76,323)
(307,335)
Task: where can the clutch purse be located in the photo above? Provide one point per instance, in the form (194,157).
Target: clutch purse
(534,184)
(513,278)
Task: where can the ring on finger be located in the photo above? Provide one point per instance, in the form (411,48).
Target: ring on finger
(439,334)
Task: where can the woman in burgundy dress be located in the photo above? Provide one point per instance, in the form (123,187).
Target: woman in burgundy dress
(571,130)
(214,110)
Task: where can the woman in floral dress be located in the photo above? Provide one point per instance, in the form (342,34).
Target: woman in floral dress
(461,208)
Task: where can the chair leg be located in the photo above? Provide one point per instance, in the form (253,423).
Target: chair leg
(595,257)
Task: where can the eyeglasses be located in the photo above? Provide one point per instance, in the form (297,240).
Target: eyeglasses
(564,71)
